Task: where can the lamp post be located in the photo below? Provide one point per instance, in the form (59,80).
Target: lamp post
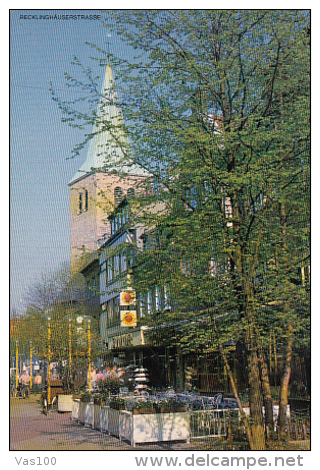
(17,364)
(70,350)
(49,359)
(89,354)
(30,365)
(80,319)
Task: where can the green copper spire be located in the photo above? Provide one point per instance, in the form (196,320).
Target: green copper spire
(105,151)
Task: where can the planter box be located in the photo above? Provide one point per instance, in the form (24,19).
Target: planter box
(86,415)
(75,410)
(65,403)
(104,414)
(96,417)
(113,421)
(154,427)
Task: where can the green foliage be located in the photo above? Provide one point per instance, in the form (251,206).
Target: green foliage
(51,319)
(216,109)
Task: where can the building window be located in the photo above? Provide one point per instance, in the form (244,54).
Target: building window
(116,265)
(142,307)
(109,270)
(112,227)
(123,262)
(86,200)
(80,203)
(83,202)
(130,193)
(117,195)
(149,303)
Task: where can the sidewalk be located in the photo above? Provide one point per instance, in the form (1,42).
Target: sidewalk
(31,430)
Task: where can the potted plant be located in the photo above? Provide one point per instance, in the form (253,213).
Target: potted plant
(144,407)
(108,386)
(117,403)
(85,397)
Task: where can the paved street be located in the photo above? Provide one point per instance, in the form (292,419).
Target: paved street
(31,430)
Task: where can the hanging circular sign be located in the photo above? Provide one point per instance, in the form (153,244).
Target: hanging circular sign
(127,297)
(128,318)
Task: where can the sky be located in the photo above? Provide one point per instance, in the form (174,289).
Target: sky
(41,50)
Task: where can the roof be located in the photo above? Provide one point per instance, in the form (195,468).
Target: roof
(104,152)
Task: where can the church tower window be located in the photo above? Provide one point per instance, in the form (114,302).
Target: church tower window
(83,202)
(80,203)
(130,193)
(117,195)
(86,200)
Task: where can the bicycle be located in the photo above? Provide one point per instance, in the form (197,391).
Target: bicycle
(22,391)
(46,407)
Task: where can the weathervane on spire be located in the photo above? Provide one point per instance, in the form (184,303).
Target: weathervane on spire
(108,46)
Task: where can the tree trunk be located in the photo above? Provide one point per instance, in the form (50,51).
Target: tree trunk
(284,386)
(268,405)
(235,392)
(257,429)
(282,435)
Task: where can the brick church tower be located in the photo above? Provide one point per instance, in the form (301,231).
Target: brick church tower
(101,182)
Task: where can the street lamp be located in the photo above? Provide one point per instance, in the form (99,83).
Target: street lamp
(80,320)
(89,354)
(49,359)
(30,365)
(17,364)
(70,350)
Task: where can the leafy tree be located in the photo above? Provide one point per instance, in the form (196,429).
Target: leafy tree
(62,298)
(216,108)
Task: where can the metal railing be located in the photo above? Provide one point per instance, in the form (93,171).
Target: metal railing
(209,423)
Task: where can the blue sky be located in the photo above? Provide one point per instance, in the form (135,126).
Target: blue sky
(41,50)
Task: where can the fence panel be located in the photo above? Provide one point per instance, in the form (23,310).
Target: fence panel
(209,423)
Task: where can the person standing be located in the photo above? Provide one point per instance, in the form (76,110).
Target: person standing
(114,372)
(38,381)
(100,375)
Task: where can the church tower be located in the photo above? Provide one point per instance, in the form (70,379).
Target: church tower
(101,182)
